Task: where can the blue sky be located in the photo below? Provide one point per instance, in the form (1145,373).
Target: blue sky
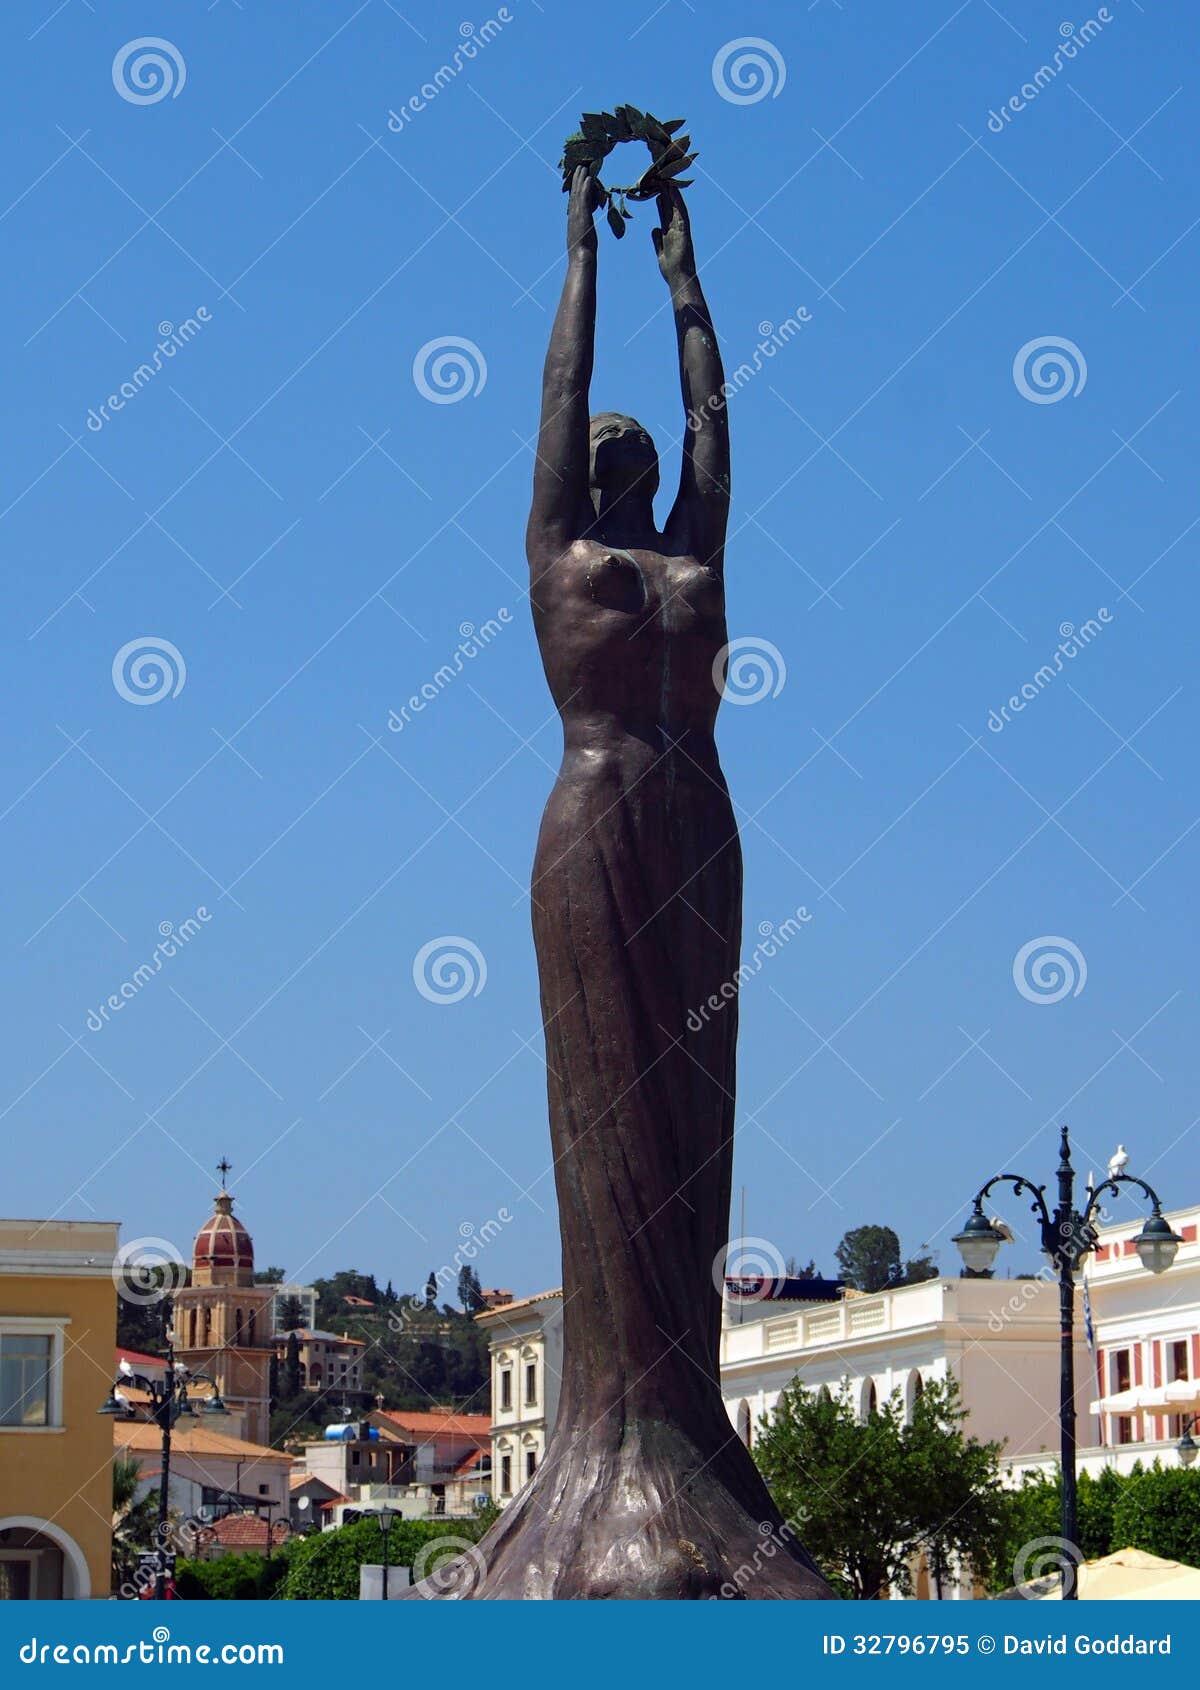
(310,532)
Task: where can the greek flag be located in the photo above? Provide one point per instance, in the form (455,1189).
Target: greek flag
(1089,1329)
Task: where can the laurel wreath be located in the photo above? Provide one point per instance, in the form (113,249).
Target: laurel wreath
(600,132)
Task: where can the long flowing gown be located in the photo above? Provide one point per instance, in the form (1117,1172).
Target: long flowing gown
(646,1490)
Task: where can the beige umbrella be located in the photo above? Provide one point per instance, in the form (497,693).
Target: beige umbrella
(1133,1575)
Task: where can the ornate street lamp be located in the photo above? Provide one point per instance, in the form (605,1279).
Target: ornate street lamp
(1068,1237)
(168,1402)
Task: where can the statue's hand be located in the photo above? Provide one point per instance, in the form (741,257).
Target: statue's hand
(673,241)
(584,198)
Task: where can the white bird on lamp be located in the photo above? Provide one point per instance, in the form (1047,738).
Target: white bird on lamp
(1118,1161)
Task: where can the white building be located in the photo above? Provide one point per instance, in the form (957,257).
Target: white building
(1144,1372)
(526,1351)
(998,1338)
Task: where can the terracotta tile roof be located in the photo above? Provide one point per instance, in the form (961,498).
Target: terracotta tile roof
(142,1436)
(440,1421)
(139,1360)
(522,1303)
(246,1531)
(471,1461)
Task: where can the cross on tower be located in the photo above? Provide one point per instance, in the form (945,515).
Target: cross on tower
(223,1167)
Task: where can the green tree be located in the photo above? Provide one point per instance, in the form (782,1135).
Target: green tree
(291,1314)
(1159,1511)
(1033,1510)
(867,1496)
(470,1292)
(324,1567)
(431,1289)
(133,1521)
(869,1259)
(291,1385)
(795,1269)
(269,1276)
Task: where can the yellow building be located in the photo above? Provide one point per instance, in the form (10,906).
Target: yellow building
(58,1320)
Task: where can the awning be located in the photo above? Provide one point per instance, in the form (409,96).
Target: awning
(1181,1396)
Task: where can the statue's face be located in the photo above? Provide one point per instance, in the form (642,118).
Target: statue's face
(622,455)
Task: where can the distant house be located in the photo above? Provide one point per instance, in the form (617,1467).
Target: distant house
(357,1303)
(241,1534)
(441,1439)
(312,1501)
(212,1476)
(423,1463)
(327,1362)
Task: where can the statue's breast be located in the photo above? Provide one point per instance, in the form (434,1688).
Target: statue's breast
(615,581)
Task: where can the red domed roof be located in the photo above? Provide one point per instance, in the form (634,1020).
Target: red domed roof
(223,1253)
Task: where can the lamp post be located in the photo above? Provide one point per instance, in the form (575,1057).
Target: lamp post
(168,1402)
(386,1518)
(1187,1448)
(1068,1236)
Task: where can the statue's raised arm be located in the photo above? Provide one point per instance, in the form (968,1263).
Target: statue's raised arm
(700,514)
(560,476)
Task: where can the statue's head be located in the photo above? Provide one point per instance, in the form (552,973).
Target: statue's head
(621,455)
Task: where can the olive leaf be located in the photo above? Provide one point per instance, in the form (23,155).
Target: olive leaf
(600,132)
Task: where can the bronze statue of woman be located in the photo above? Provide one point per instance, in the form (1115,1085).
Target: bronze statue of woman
(646,1491)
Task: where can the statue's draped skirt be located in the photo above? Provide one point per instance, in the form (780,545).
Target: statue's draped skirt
(637,919)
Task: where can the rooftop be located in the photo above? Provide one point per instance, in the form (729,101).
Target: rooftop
(443,1421)
(143,1436)
(307,1334)
(498,1314)
(246,1531)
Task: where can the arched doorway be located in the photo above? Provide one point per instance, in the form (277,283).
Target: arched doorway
(40,1562)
